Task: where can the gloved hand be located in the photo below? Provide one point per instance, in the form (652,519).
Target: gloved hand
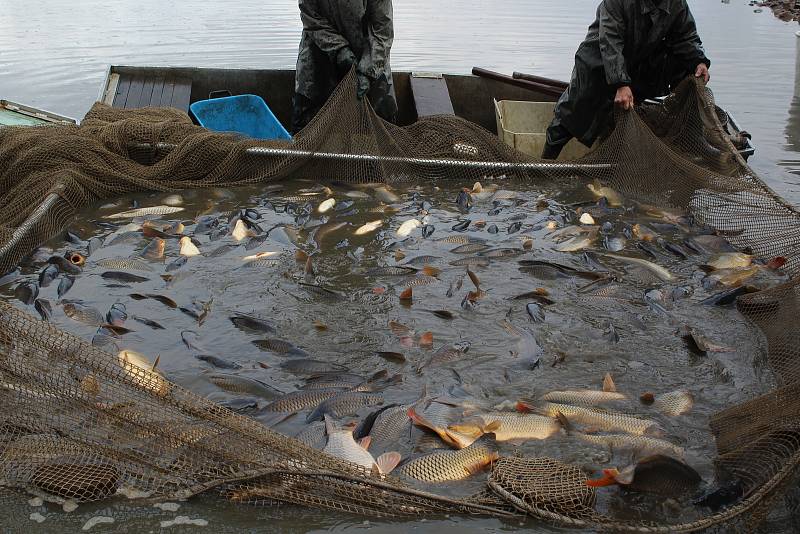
(345,59)
(364,84)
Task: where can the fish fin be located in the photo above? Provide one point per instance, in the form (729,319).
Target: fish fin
(776,263)
(365,442)
(608,479)
(448,400)
(475,280)
(523,406)
(510,328)
(492,427)
(452,439)
(622,477)
(423,394)
(477,467)
(387,461)
(419,420)
(330,426)
(565,424)
(428,270)
(380,375)
(426,339)
(155,363)
(275,418)
(608,384)
(472,431)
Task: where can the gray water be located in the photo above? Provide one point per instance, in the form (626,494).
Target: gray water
(54,53)
(583,333)
(54,56)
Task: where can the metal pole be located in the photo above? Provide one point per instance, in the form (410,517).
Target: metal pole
(442,162)
(797,66)
(449,163)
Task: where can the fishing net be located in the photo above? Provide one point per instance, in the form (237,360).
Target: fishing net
(77,424)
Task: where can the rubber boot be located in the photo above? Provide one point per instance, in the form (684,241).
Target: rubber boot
(551,151)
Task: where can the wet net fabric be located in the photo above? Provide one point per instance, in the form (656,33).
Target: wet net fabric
(77,424)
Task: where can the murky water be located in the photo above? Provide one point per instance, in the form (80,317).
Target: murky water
(55,56)
(581,330)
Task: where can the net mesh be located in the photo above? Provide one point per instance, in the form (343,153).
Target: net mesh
(78,424)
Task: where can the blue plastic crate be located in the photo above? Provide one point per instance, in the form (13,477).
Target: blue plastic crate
(244,114)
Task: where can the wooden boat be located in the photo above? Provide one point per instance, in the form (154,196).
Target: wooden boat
(469,96)
(14,114)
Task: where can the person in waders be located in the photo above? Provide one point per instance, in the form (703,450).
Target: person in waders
(634,50)
(337,36)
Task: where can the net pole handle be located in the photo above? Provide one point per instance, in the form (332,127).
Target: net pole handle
(441,162)
(577,168)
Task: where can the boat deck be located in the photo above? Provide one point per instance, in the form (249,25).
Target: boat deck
(138,91)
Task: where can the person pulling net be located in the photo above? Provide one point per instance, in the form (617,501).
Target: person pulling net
(633,51)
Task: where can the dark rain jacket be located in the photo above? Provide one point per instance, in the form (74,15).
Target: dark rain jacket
(365,26)
(646,44)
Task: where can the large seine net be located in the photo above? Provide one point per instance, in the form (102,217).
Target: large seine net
(76,424)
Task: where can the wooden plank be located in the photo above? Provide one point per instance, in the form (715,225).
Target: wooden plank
(147,92)
(166,94)
(431,96)
(158,88)
(135,93)
(111,89)
(182,94)
(121,94)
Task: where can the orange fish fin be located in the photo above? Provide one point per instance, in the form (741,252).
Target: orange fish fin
(608,384)
(523,407)
(365,442)
(426,339)
(608,479)
(452,439)
(472,431)
(494,426)
(387,461)
(419,420)
(479,466)
(428,270)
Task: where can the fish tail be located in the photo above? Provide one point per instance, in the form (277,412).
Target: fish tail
(387,462)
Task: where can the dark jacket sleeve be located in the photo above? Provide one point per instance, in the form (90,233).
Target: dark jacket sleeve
(683,40)
(610,16)
(321,31)
(381,35)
